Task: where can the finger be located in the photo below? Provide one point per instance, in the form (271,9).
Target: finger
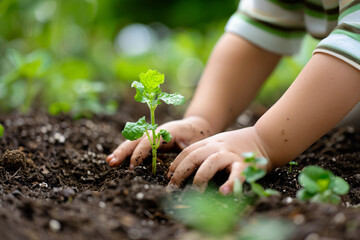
(142,151)
(236,173)
(214,163)
(185,153)
(122,152)
(192,161)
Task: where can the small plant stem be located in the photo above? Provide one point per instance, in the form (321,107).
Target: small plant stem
(154,143)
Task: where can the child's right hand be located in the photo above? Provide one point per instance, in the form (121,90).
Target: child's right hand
(184,132)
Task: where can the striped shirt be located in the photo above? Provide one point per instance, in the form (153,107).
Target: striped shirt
(280,25)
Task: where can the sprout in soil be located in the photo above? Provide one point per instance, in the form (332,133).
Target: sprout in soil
(253,173)
(320,185)
(148,91)
(291,164)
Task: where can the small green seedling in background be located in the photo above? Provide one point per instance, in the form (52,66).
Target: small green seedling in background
(291,164)
(148,91)
(253,173)
(1,131)
(320,185)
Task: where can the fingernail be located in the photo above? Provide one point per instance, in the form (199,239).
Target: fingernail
(169,175)
(171,187)
(112,161)
(131,166)
(225,190)
(111,156)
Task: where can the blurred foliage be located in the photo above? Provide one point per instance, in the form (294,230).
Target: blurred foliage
(209,212)
(80,56)
(224,217)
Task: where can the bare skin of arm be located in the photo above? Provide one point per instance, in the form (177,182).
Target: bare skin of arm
(323,93)
(235,71)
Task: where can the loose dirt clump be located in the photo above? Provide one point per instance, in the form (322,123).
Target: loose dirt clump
(12,160)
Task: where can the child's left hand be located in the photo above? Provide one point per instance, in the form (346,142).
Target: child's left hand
(216,153)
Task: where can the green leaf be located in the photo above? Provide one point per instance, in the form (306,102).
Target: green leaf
(248,155)
(133,131)
(319,197)
(165,135)
(211,213)
(270,192)
(139,96)
(304,195)
(174,98)
(1,130)
(16,58)
(151,81)
(31,68)
(334,198)
(252,174)
(261,161)
(258,189)
(59,107)
(315,179)
(152,127)
(260,228)
(339,185)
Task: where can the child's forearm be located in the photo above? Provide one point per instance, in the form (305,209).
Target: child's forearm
(234,73)
(324,92)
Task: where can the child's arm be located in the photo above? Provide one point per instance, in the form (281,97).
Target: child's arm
(323,93)
(235,71)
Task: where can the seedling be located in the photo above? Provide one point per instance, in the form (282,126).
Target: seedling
(291,164)
(253,173)
(148,91)
(1,131)
(320,185)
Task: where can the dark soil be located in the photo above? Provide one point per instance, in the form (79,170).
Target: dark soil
(55,184)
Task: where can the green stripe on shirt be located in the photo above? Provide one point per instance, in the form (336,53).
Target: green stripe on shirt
(348,10)
(293,6)
(273,29)
(355,36)
(322,15)
(340,52)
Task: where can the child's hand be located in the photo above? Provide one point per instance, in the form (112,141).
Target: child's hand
(184,132)
(222,151)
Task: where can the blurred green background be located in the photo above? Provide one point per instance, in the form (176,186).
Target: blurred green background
(80,56)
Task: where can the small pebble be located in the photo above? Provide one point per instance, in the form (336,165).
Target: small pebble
(99,147)
(139,196)
(312,236)
(288,200)
(54,225)
(299,219)
(134,233)
(339,218)
(68,192)
(102,204)
(43,185)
